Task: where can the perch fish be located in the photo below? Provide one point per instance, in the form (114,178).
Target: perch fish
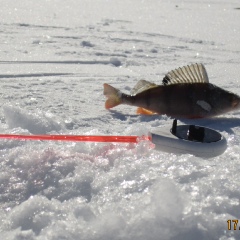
(185,93)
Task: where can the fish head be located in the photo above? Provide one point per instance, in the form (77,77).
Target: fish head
(229,102)
(222,101)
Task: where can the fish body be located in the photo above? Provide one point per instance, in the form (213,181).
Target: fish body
(185,93)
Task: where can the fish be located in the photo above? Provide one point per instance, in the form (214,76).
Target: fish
(185,92)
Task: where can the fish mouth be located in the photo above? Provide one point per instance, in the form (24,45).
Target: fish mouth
(235,103)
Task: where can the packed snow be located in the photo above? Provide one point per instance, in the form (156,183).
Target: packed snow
(55,57)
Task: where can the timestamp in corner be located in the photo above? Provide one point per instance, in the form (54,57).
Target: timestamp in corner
(233,224)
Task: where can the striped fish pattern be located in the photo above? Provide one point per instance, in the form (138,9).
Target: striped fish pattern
(185,93)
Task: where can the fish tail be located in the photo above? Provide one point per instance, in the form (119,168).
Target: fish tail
(114,96)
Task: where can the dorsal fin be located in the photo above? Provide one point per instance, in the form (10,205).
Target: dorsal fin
(194,73)
(141,86)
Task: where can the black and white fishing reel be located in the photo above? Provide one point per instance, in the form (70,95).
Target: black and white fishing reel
(197,140)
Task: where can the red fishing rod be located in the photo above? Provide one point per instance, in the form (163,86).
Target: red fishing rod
(191,139)
(77,138)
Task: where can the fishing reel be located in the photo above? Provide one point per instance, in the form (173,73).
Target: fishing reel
(197,140)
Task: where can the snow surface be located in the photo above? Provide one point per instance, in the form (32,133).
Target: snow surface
(55,57)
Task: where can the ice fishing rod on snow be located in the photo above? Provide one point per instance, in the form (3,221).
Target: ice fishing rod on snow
(192,139)
(76,138)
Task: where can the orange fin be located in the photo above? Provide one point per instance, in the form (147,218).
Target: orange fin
(113,96)
(144,111)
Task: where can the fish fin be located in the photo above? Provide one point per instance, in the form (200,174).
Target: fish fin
(144,111)
(113,96)
(194,73)
(141,86)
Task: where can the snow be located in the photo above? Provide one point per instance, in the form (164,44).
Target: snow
(55,57)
